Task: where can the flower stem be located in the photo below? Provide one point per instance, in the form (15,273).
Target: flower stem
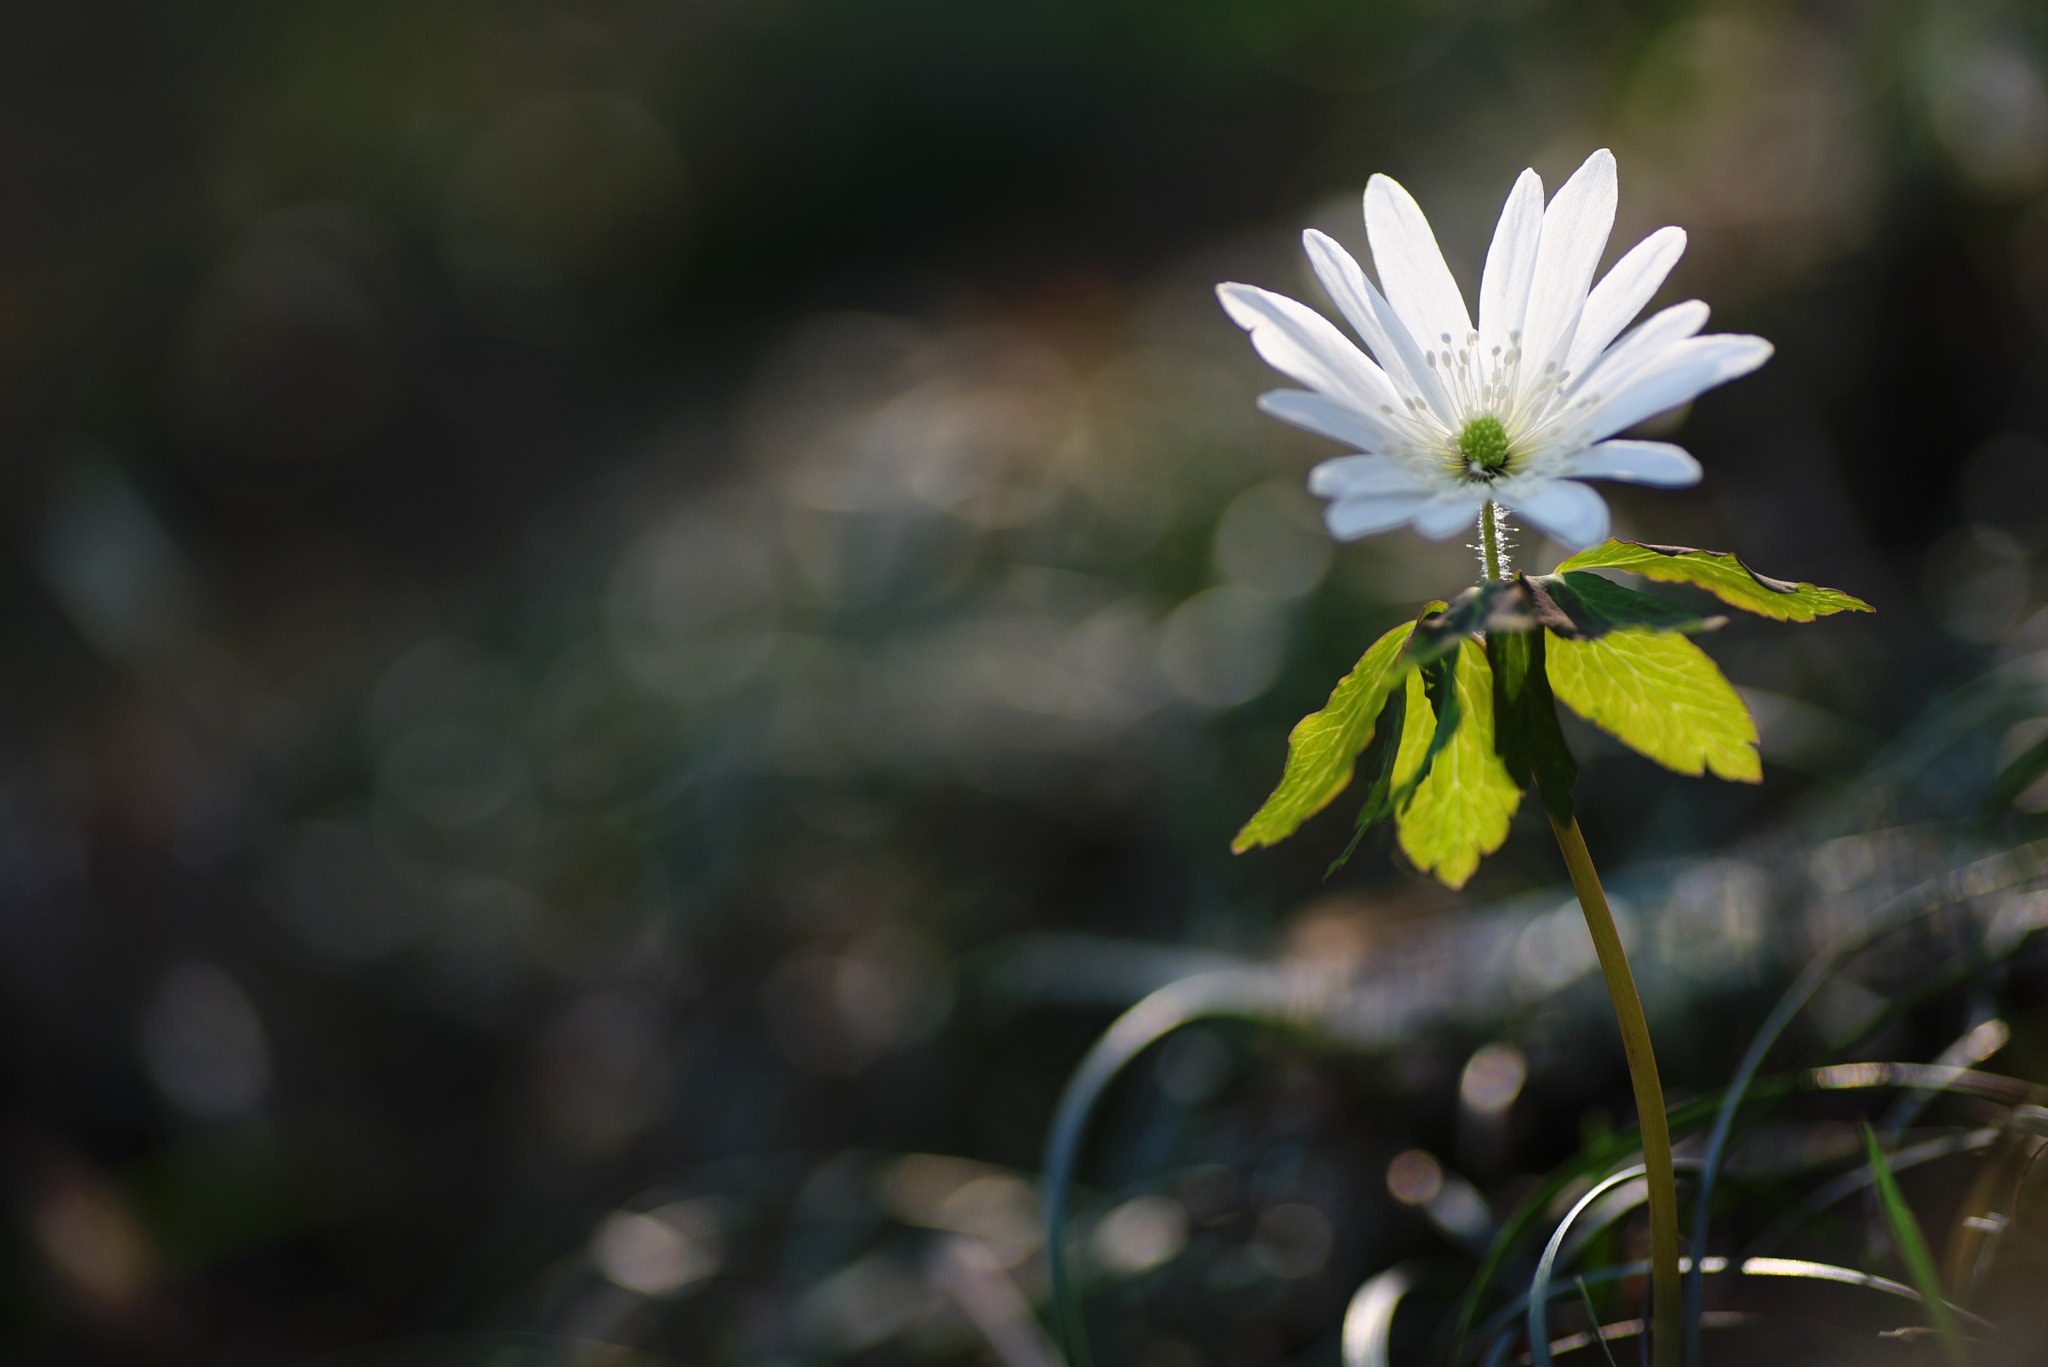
(1489,533)
(1666,1299)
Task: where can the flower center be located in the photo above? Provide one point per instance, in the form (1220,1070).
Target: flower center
(1484,444)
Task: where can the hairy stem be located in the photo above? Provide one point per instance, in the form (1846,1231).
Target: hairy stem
(1489,535)
(1666,1299)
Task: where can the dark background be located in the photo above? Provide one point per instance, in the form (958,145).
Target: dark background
(580,577)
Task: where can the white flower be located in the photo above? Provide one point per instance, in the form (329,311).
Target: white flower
(1515,411)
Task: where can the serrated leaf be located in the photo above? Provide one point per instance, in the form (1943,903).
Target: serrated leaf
(1660,694)
(1496,605)
(1575,605)
(1418,739)
(1461,809)
(1585,605)
(1324,745)
(1376,767)
(1525,730)
(1721,574)
(1394,766)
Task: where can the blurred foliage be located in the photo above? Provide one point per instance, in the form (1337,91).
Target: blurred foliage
(630,623)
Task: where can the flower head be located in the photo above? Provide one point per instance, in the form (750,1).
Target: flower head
(1448,417)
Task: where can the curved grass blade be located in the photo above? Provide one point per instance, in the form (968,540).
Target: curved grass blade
(2013,780)
(1919,1259)
(1856,1179)
(1502,1320)
(1847,1276)
(1249,994)
(1923,900)
(1978,1043)
(1539,1285)
(1594,1158)
(1599,1330)
(1497,1332)
(2010,1091)
(1841,1077)
(1369,1318)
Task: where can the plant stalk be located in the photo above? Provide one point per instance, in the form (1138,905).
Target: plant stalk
(1667,1301)
(1489,533)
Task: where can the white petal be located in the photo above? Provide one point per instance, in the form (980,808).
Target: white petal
(1335,418)
(1572,513)
(1302,344)
(1510,263)
(1341,276)
(1621,294)
(1412,271)
(1681,375)
(1575,229)
(1643,347)
(1444,517)
(1414,360)
(1364,477)
(1656,463)
(1351,518)
(1376,321)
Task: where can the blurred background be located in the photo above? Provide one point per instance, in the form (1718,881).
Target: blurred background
(630,621)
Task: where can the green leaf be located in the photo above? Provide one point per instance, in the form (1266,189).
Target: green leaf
(1323,745)
(1914,1252)
(1721,574)
(1398,768)
(1440,694)
(1376,766)
(1525,729)
(1585,605)
(1577,605)
(1660,694)
(1463,803)
(1496,605)
(1418,738)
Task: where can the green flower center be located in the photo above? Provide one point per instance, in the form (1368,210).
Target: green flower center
(1484,444)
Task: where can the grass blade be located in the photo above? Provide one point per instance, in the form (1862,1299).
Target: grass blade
(1593,1319)
(1913,1249)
